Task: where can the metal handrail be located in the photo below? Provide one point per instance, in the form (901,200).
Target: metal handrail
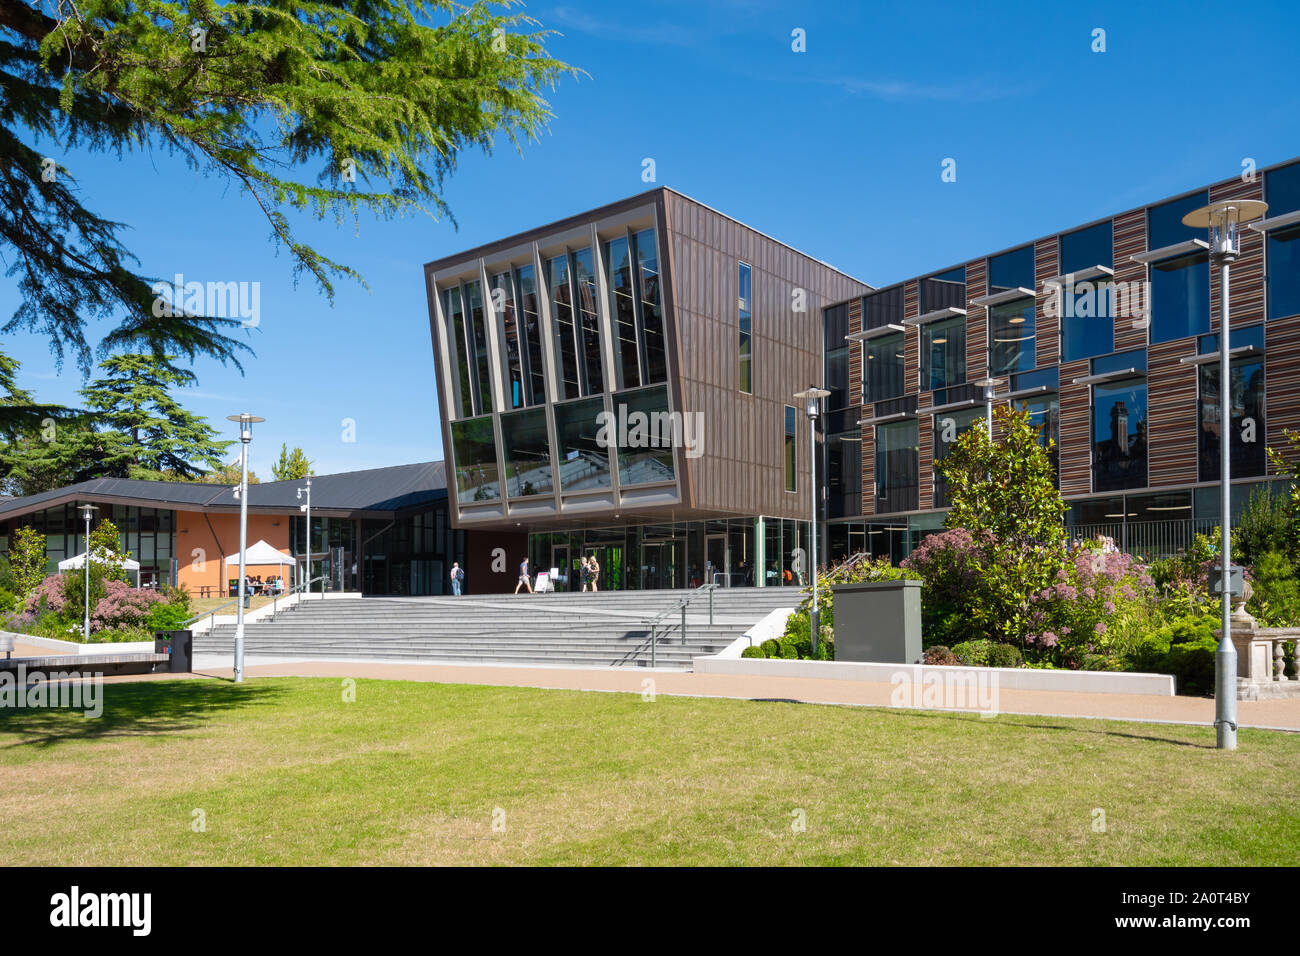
(653,623)
(234,601)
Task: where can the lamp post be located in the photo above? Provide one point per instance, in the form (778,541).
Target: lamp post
(812,397)
(87,510)
(245,436)
(1223,220)
(307,508)
(988,385)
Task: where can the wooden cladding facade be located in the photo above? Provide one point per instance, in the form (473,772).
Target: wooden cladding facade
(1172,385)
(742,469)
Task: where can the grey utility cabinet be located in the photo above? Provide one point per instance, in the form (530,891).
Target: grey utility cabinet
(878,621)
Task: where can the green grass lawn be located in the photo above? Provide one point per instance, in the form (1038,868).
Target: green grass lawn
(286,772)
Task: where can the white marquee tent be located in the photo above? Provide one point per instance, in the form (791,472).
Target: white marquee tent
(262,554)
(127,564)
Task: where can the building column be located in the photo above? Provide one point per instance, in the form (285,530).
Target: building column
(760,558)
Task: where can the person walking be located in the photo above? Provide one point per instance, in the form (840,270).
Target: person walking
(457,578)
(585,572)
(593,572)
(523,578)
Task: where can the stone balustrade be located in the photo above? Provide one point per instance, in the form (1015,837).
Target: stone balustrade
(1261,659)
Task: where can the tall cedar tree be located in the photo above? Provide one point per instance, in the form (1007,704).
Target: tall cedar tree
(163,440)
(326,108)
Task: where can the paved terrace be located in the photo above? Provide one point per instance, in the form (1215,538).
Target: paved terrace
(1266,714)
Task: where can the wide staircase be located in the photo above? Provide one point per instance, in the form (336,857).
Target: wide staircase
(609,628)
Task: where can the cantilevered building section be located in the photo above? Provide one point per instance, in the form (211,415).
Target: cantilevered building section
(622,382)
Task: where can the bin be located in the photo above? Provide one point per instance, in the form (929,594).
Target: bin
(179,648)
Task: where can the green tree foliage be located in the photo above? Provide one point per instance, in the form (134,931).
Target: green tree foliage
(291,466)
(20,414)
(131,428)
(133,399)
(27,559)
(1005,540)
(227,475)
(106,546)
(317,108)
(1005,486)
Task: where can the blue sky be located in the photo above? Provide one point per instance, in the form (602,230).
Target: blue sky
(836,151)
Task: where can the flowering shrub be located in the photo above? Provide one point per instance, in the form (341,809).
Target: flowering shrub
(123,605)
(48,594)
(1072,618)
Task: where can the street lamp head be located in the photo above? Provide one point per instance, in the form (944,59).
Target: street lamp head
(812,397)
(246,422)
(1224,220)
(87,510)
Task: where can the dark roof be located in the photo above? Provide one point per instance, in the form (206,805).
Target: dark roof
(396,488)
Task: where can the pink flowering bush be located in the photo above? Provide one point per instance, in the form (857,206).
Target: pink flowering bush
(123,606)
(1075,617)
(49,594)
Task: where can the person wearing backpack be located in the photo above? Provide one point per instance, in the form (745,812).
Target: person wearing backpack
(457,578)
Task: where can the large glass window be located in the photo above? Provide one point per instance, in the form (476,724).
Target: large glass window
(655,352)
(885,307)
(943,291)
(943,353)
(645,445)
(897,467)
(1246,404)
(746,340)
(1119,435)
(584,282)
(503,301)
(837,378)
(1012,270)
(1012,338)
(460,342)
(882,368)
(622,308)
(1087,306)
(566,347)
(1045,415)
(482,363)
(527,451)
(1282,192)
(526,281)
(844,474)
(948,427)
(1180,286)
(476,460)
(583,457)
(791,433)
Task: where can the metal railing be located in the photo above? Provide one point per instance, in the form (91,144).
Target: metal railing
(653,623)
(275,598)
(1148,540)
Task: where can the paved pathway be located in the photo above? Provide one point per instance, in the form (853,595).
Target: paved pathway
(1272,714)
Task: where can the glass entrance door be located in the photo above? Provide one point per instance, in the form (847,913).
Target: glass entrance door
(560,561)
(662,564)
(718,561)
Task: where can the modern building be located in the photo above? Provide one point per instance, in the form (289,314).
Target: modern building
(621,383)
(1108,334)
(1105,332)
(379,531)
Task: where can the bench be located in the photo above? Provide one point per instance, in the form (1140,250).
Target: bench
(91,663)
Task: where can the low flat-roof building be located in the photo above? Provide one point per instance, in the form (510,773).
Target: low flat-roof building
(378,531)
